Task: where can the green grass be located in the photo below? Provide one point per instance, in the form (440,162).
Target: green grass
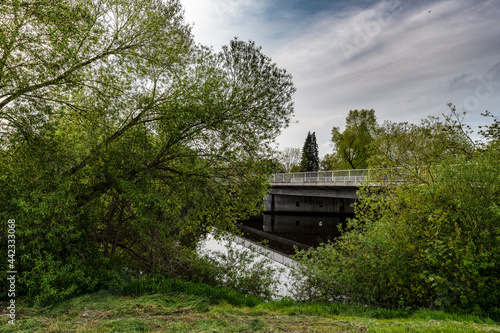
(176,306)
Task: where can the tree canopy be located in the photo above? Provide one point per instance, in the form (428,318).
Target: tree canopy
(352,147)
(427,234)
(122,141)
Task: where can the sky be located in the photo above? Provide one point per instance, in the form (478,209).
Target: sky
(404,59)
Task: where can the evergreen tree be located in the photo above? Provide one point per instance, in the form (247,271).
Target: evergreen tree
(313,158)
(303,161)
(310,158)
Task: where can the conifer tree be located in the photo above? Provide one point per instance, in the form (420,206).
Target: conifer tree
(310,159)
(314,158)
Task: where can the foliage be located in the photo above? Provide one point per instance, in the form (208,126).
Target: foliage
(427,235)
(411,152)
(158,284)
(245,270)
(492,131)
(354,146)
(310,158)
(332,162)
(122,142)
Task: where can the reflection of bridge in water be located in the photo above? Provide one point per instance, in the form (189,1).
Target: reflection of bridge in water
(306,208)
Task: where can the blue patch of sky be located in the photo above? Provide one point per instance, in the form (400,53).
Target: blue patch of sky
(308,8)
(285,17)
(305,10)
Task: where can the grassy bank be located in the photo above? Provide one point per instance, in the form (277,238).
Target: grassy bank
(196,308)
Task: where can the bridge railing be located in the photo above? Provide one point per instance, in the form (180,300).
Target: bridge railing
(321,177)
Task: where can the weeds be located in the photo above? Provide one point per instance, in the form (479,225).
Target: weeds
(181,307)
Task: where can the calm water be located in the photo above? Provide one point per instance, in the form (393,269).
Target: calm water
(284,230)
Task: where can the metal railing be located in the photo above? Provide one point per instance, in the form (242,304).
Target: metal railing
(353,177)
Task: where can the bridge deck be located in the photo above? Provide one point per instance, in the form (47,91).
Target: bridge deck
(320,178)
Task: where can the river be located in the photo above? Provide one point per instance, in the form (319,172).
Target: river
(281,233)
(285,231)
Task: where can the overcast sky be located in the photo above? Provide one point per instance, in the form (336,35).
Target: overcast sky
(405,59)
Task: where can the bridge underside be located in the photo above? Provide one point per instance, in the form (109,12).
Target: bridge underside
(310,212)
(311,199)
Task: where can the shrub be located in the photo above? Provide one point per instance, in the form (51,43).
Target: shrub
(429,239)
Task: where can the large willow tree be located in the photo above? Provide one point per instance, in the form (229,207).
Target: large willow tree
(122,141)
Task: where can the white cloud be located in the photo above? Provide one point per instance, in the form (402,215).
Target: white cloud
(216,22)
(398,64)
(395,57)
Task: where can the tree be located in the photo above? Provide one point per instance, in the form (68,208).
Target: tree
(310,159)
(332,162)
(123,142)
(492,131)
(408,150)
(353,146)
(289,158)
(305,148)
(427,235)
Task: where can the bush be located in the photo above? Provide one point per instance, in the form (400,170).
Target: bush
(242,269)
(429,239)
(158,283)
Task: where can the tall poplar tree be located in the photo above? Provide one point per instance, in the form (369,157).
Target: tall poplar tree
(310,158)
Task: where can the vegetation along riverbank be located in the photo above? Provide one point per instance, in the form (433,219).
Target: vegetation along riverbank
(177,306)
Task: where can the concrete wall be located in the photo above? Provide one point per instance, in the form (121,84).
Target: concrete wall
(302,224)
(321,191)
(305,204)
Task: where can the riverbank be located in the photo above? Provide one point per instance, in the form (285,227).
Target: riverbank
(190,311)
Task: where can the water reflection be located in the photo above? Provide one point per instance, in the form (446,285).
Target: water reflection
(283,231)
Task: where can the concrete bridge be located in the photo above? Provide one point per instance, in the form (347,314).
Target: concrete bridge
(324,184)
(306,208)
(311,202)
(318,178)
